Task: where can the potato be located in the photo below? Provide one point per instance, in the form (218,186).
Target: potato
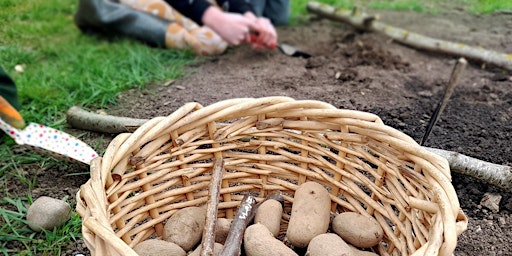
(328,244)
(185,227)
(222,229)
(217,249)
(157,247)
(310,214)
(259,241)
(269,214)
(358,252)
(357,229)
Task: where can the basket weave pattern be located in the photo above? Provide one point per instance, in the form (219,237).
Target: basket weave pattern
(269,144)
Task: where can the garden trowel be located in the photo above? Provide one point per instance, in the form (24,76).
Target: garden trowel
(44,139)
(292,51)
(284,48)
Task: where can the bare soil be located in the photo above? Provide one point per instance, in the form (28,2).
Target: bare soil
(400,84)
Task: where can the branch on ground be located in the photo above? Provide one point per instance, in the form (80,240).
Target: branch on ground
(85,120)
(493,174)
(363,21)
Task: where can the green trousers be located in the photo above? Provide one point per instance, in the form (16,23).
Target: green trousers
(8,89)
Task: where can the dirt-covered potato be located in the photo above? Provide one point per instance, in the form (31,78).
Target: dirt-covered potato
(358,252)
(259,241)
(328,244)
(269,214)
(217,249)
(185,227)
(310,214)
(357,229)
(157,247)
(222,230)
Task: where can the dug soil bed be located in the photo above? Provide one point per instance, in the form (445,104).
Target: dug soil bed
(368,72)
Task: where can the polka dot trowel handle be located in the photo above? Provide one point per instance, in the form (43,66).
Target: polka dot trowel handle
(41,137)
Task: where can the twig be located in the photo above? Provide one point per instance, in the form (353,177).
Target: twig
(208,241)
(454,78)
(366,22)
(85,120)
(507,12)
(243,217)
(493,174)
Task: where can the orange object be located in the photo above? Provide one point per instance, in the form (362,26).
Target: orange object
(284,48)
(9,114)
(254,38)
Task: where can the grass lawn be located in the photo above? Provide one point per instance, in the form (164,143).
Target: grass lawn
(63,67)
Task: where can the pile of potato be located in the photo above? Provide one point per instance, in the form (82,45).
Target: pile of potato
(307,230)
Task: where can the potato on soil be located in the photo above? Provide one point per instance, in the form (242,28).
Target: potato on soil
(269,214)
(157,247)
(217,249)
(357,229)
(259,241)
(185,227)
(310,214)
(222,229)
(328,244)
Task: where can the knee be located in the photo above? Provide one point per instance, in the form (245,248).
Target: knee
(280,20)
(278,12)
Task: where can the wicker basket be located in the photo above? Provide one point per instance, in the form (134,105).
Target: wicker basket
(269,144)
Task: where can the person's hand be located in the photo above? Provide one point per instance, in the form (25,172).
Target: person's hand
(266,35)
(10,115)
(233,28)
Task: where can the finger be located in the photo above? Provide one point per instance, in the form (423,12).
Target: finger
(240,34)
(268,33)
(249,38)
(254,26)
(234,41)
(267,39)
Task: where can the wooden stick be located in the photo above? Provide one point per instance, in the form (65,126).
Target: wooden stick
(493,174)
(454,78)
(208,241)
(85,120)
(243,217)
(367,22)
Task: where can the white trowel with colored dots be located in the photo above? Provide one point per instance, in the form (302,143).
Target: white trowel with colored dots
(51,141)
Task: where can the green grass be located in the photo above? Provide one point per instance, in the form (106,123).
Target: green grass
(299,9)
(407,5)
(66,67)
(14,230)
(430,6)
(63,67)
(489,6)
